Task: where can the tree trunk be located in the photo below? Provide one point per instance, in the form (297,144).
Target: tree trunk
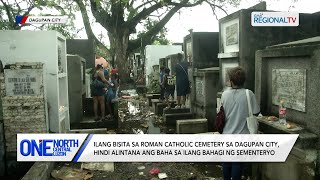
(119,44)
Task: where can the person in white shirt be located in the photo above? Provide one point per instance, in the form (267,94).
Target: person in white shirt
(234,102)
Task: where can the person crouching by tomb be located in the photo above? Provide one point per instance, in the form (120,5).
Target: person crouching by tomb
(115,71)
(111,94)
(162,73)
(97,91)
(234,102)
(183,87)
(169,83)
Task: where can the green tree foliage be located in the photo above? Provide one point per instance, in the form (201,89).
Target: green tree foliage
(121,17)
(9,9)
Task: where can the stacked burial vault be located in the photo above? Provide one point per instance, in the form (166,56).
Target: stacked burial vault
(236,48)
(291,72)
(285,71)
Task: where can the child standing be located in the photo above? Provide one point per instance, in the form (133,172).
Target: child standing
(169,83)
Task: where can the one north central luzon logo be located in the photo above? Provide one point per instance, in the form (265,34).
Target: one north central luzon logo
(47,147)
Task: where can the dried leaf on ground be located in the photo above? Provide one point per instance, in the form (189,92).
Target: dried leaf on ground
(68,173)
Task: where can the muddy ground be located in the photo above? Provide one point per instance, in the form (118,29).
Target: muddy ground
(134,115)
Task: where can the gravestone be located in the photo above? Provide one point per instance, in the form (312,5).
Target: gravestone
(201,49)
(175,111)
(171,119)
(84,48)
(192,126)
(152,96)
(162,106)
(172,60)
(239,39)
(76,87)
(290,72)
(205,87)
(163,62)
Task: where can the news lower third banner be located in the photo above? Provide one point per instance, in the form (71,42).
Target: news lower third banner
(154,147)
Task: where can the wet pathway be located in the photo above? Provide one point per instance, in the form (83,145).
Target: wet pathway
(137,118)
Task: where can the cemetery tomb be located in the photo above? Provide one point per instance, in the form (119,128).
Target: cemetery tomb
(192,126)
(172,60)
(154,79)
(163,62)
(190,98)
(24,108)
(205,87)
(175,111)
(18,48)
(239,39)
(152,55)
(290,72)
(161,106)
(152,96)
(76,78)
(83,48)
(171,119)
(202,49)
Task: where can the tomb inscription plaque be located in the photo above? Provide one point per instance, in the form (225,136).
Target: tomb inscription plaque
(289,85)
(199,87)
(232,34)
(23,82)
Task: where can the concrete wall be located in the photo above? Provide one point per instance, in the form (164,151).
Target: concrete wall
(292,56)
(2,149)
(298,166)
(204,47)
(254,38)
(304,57)
(204,89)
(22,114)
(84,48)
(75,88)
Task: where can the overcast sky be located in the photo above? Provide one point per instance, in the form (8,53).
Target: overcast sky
(201,18)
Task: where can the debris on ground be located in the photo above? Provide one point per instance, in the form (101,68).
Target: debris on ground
(145,125)
(111,132)
(98,166)
(68,173)
(141,167)
(162,175)
(154,171)
(137,122)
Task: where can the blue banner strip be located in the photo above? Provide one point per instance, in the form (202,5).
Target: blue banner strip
(83,147)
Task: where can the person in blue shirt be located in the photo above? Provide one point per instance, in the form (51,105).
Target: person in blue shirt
(182,85)
(111,94)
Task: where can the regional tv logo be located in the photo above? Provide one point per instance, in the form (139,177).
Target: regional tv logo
(41,19)
(49,147)
(275,19)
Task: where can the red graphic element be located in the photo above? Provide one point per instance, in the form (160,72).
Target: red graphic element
(40,140)
(24,19)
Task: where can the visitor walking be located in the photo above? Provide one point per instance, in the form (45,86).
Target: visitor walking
(97,91)
(234,102)
(182,84)
(169,87)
